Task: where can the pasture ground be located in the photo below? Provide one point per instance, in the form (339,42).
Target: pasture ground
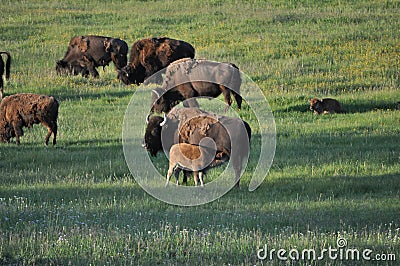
(333,177)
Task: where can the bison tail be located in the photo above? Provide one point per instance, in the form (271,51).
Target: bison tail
(238,99)
(54,104)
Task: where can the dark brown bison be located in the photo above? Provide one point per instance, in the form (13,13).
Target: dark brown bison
(325,106)
(191,125)
(188,78)
(194,158)
(86,53)
(25,110)
(151,55)
(5,67)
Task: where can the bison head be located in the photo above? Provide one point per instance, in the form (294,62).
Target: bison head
(161,133)
(316,105)
(73,68)
(6,132)
(118,49)
(131,75)
(62,67)
(152,137)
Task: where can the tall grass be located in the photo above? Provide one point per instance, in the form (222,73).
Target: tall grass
(332,176)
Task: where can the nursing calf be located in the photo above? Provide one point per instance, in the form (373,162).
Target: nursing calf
(193,158)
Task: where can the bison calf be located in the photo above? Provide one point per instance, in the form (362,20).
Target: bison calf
(194,158)
(325,106)
(24,110)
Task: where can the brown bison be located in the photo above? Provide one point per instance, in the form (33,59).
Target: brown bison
(188,78)
(325,106)
(7,70)
(24,110)
(86,53)
(151,55)
(191,125)
(194,158)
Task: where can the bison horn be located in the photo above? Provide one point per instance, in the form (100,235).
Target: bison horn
(156,93)
(147,118)
(164,120)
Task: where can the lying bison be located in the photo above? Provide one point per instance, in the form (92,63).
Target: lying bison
(24,110)
(191,125)
(151,55)
(7,70)
(86,53)
(187,78)
(325,106)
(194,158)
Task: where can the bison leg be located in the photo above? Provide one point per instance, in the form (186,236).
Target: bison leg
(227,96)
(201,179)
(90,65)
(198,176)
(169,174)
(93,71)
(237,167)
(18,131)
(176,173)
(173,169)
(238,170)
(185,177)
(51,129)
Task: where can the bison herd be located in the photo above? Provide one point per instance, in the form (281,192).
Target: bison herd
(195,140)
(179,132)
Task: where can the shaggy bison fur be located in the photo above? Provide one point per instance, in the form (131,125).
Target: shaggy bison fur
(151,55)
(25,110)
(187,78)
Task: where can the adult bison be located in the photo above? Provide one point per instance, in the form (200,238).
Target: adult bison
(86,53)
(191,125)
(151,55)
(25,110)
(187,78)
(5,67)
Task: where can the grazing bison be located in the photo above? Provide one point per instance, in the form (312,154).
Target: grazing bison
(194,158)
(325,106)
(188,78)
(7,70)
(24,110)
(151,55)
(191,125)
(85,53)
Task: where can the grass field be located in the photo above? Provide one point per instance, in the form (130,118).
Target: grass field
(333,177)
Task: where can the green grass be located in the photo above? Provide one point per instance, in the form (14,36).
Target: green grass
(332,176)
